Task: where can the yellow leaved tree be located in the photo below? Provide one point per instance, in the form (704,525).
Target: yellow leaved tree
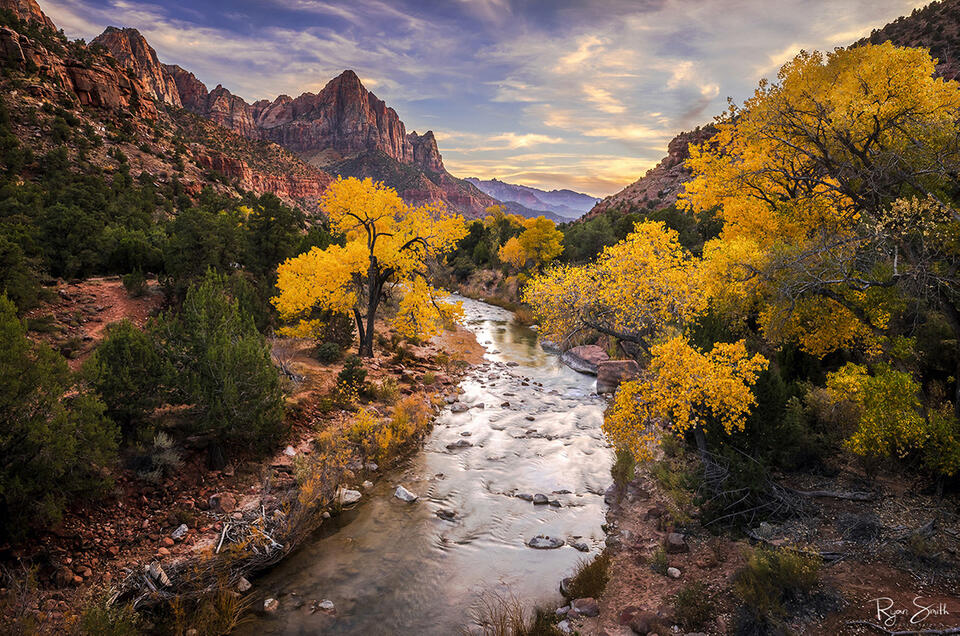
(645,291)
(388,248)
(834,184)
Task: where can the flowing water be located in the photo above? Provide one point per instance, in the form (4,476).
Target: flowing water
(392,567)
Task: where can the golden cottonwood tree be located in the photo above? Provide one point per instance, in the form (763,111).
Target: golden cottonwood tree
(389,245)
(645,290)
(633,291)
(684,390)
(835,184)
(539,243)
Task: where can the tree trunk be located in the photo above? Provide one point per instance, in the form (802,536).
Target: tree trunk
(374,291)
(361,333)
(711,471)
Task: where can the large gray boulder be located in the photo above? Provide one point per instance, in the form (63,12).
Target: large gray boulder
(584,358)
(610,373)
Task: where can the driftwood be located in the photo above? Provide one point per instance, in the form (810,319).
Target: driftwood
(921,632)
(826,556)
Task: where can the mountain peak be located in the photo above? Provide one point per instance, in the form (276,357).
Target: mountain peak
(27,11)
(133,51)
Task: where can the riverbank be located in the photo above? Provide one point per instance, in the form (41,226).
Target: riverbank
(856,540)
(179,547)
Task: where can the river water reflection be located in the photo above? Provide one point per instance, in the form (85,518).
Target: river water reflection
(396,568)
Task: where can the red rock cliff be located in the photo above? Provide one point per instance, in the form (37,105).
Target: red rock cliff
(133,52)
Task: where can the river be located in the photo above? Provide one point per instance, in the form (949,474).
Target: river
(392,567)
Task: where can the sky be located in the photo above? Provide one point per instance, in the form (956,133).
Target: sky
(572,94)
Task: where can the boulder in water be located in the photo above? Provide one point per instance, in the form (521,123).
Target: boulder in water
(544,542)
(584,358)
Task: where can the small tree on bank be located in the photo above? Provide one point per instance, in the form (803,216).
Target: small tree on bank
(388,247)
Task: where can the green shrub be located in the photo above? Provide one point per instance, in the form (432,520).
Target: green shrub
(135,283)
(126,370)
(772,577)
(659,562)
(352,375)
(386,390)
(102,618)
(220,365)
(429,378)
(328,352)
(623,468)
(693,606)
(159,460)
(54,437)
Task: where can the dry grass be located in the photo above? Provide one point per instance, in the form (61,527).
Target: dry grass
(500,615)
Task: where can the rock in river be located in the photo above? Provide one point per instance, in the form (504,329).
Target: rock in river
(540,500)
(405,495)
(459,444)
(346,497)
(584,358)
(543,542)
(446,514)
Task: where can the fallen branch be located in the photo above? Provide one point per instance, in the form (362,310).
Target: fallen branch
(922,632)
(835,494)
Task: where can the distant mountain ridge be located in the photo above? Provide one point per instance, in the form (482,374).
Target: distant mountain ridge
(563,203)
(343,129)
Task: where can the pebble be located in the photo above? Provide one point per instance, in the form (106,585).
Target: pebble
(540,500)
(673,573)
(271,605)
(405,495)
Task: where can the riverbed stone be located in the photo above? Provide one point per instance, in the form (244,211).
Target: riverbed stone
(459,407)
(565,586)
(403,494)
(525,496)
(610,373)
(580,545)
(540,500)
(271,605)
(544,542)
(346,496)
(675,543)
(586,606)
(673,573)
(460,443)
(446,514)
(584,358)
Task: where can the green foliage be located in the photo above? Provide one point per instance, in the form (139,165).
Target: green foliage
(328,352)
(773,577)
(590,579)
(135,283)
(659,561)
(53,451)
(126,370)
(352,375)
(693,606)
(100,617)
(221,367)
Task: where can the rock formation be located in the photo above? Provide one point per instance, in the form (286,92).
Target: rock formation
(344,128)
(133,52)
